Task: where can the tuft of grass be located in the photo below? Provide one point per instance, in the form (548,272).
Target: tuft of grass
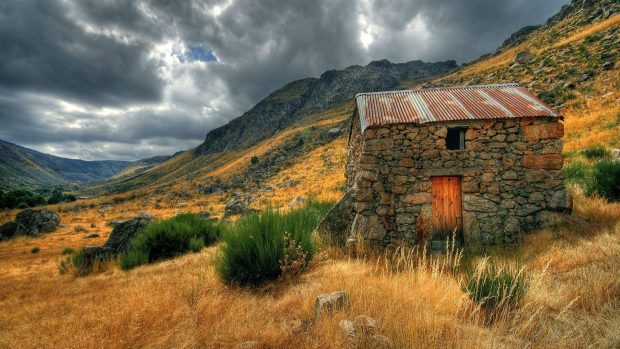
(495,286)
(595,152)
(67,250)
(170,238)
(35,249)
(576,172)
(261,247)
(605,180)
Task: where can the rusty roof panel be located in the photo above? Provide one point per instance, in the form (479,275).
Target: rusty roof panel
(449,104)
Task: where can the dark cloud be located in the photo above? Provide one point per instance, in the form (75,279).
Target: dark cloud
(129,79)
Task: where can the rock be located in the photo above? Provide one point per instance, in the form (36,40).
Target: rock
(91,256)
(146,215)
(181,205)
(289,183)
(36,222)
(123,233)
(80,229)
(367,227)
(234,207)
(204,214)
(8,230)
(379,341)
(524,57)
(329,302)
(298,200)
(365,325)
(91,236)
(114,224)
(249,345)
(348,329)
(615,153)
(334,131)
(608,65)
(475,203)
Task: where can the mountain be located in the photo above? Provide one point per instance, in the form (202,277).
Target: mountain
(302,98)
(298,133)
(23,167)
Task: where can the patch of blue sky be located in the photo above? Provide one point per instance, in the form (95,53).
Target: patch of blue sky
(200,54)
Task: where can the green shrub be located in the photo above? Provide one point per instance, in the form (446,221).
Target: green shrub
(262,247)
(170,238)
(495,287)
(67,250)
(254,160)
(595,152)
(75,262)
(35,250)
(133,258)
(605,180)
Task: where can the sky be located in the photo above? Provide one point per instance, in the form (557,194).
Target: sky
(125,80)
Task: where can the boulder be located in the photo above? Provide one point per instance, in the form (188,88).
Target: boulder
(8,230)
(615,153)
(348,328)
(365,325)
(123,233)
(524,57)
(36,222)
(336,225)
(329,302)
(234,207)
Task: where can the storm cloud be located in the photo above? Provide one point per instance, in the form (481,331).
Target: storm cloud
(132,79)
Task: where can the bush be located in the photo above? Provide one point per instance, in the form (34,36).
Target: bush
(254,160)
(35,250)
(262,247)
(67,250)
(595,152)
(75,262)
(576,172)
(170,238)
(605,180)
(495,286)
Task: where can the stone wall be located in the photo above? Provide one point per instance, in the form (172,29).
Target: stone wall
(510,178)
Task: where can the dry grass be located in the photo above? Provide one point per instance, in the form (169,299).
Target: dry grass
(573,301)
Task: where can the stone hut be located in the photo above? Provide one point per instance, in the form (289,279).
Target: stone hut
(482,164)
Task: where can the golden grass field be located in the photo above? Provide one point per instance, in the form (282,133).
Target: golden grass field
(573,300)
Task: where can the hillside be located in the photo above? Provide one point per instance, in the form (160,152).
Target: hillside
(305,109)
(23,167)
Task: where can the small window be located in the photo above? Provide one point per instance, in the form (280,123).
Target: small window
(455,139)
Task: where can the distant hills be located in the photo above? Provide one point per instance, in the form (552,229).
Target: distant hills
(21,167)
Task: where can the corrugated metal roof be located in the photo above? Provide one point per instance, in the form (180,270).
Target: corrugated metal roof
(449,103)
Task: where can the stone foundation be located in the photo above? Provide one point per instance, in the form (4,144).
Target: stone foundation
(510,173)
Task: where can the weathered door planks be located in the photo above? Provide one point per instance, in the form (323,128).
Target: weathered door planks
(447,214)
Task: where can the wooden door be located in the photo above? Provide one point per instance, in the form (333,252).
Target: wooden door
(447,214)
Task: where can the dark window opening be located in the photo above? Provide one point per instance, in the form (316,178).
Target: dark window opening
(455,139)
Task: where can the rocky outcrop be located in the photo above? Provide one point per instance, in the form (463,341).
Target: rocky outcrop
(30,222)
